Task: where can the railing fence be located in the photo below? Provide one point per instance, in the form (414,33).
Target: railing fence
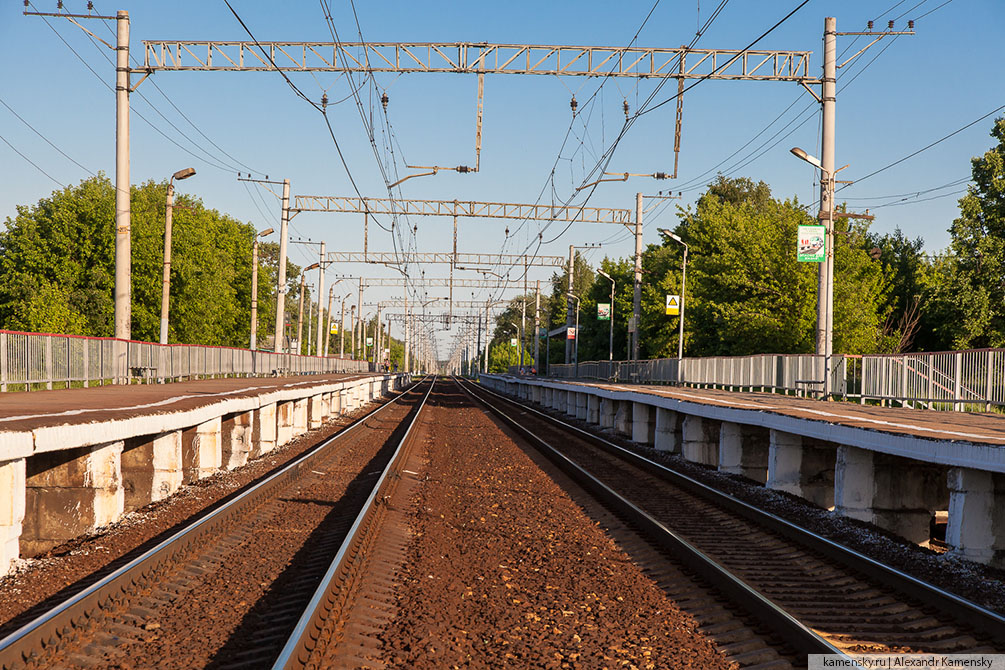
(36,360)
(954,380)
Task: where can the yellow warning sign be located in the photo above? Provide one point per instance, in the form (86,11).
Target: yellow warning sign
(673,305)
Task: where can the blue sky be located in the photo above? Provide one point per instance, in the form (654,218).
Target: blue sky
(899,96)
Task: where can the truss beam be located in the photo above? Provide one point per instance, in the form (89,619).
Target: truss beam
(441,283)
(392,258)
(469,209)
(477,58)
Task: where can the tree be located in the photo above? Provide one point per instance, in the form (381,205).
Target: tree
(970,296)
(747,293)
(57,267)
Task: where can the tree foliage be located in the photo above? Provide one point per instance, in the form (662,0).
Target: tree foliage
(57,267)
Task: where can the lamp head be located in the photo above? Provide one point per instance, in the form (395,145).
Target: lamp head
(183,174)
(267,231)
(312,266)
(802,155)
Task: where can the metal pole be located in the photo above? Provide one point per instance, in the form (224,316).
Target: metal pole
(537,326)
(568,306)
(310,325)
(488,341)
(680,336)
(825,307)
(254,294)
(166,282)
(359,319)
(328,324)
(577,338)
(405,329)
(473,364)
(610,344)
(321,292)
(300,316)
(123,255)
(352,322)
(341,330)
(281,279)
(637,298)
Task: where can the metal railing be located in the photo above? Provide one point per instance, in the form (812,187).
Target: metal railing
(38,360)
(955,380)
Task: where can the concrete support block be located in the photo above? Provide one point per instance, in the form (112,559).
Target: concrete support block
(284,422)
(581,401)
(802,467)
(669,431)
(608,412)
(976,526)
(315,412)
(202,450)
(236,439)
(151,468)
(592,408)
(643,423)
(69,493)
(300,417)
(743,450)
(536,394)
(700,440)
(12,497)
(263,436)
(570,403)
(623,418)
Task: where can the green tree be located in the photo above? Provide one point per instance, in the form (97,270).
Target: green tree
(747,293)
(969,296)
(57,267)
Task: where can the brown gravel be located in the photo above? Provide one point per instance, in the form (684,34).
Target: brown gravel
(506,570)
(975,582)
(39,583)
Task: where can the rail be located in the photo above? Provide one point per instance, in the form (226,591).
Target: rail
(30,361)
(972,380)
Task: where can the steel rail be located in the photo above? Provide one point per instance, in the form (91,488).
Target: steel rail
(49,627)
(798,635)
(960,609)
(300,645)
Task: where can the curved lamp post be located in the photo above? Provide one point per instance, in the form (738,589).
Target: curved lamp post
(166,285)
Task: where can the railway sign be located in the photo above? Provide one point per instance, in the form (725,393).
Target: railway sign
(603,311)
(512,342)
(673,305)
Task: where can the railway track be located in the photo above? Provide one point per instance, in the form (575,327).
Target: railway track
(226,591)
(814,595)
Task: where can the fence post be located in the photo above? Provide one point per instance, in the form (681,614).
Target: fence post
(48,361)
(3,361)
(987,394)
(958,379)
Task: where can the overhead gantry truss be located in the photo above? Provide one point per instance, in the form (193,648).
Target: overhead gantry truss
(440,283)
(477,58)
(470,208)
(391,258)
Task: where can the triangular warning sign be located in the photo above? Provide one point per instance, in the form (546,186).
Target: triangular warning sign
(673,305)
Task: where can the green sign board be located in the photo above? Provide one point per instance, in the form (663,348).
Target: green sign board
(812,244)
(603,311)
(512,342)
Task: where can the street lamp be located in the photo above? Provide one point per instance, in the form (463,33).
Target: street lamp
(166,287)
(610,346)
(254,287)
(825,277)
(300,316)
(575,354)
(518,339)
(683,280)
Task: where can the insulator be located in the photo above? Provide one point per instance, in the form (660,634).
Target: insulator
(324,100)
(574,105)
(890,25)
(626,108)
(383,100)
(507,231)
(660,175)
(27,3)
(90,6)
(463,169)
(870,25)
(910,24)
(59,4)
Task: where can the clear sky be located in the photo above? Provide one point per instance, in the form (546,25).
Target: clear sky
(900,95)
